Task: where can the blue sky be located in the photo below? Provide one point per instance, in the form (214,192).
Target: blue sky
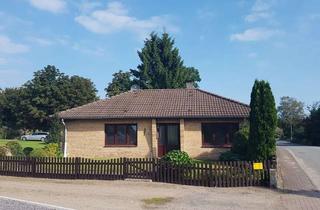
(231,42)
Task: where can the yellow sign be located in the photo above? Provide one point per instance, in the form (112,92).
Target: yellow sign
(257,166)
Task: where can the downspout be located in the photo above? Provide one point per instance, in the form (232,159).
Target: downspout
(65,138)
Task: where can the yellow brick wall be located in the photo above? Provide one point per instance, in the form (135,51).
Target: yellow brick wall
(192,143)
(86,138)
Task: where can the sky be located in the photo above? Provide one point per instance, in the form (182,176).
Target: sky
(231,42)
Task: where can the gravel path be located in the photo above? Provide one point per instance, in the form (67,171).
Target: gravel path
(92,194)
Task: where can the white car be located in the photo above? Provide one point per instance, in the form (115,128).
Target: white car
(42,136)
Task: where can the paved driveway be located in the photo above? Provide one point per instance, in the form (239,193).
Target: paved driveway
(91,194)
(308,158)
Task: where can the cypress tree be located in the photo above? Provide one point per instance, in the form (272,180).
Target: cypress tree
(263,120)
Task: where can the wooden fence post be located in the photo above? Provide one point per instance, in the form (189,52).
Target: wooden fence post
(77,167)
(210,175)
(33,166)
(153,169)
(125,168)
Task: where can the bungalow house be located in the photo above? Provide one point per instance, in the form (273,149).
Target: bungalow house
(150,123)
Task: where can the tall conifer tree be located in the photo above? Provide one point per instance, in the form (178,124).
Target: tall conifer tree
(161,65)
(263,120)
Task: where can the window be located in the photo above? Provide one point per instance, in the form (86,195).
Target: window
(218,134)
(121,135)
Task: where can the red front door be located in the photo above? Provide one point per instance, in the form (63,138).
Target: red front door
(168,138)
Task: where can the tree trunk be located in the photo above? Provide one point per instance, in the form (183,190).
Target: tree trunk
(291,132)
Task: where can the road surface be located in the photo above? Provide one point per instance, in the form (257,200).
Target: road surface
(308,158)
(17,204)
(115,195)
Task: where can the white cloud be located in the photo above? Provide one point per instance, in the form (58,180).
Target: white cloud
(40,41)
(88,6)
(116,18)
(257,15)
(255,34)
(54,6)
(9,47)
(260,10)
(94,51)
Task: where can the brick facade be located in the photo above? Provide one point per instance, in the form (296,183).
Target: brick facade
(193,142)
(86,138)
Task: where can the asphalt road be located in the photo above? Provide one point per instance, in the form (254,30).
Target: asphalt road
(308,158)
(17,204)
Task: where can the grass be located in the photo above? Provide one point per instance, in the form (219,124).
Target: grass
(33,144)
(157,200)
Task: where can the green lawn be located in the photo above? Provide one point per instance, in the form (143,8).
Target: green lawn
(33,144)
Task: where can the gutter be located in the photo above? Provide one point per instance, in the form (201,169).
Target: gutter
(65,138)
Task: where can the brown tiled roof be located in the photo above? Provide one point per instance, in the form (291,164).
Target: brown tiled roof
(160,103)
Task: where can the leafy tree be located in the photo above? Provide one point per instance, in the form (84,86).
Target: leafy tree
(51,91)
(291,113)
(121,82)
(12,107)
(80,91)
(263,121)
(161,65)
(312,127)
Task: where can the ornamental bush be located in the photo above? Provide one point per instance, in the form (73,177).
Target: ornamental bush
(3,151)
(27,151)
(240,141)
(229,156)
(50,150)
(15,148)
(39,152)
(177,157)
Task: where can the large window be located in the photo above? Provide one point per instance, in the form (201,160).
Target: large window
(218,134)
(121,135)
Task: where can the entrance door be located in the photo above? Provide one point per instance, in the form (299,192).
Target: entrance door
(169,138)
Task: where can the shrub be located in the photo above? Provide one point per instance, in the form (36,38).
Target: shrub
(50,150)
(3,151)
(15,148)
(229,155)
(39,152)
(27,151)
(240,141)
(178,158)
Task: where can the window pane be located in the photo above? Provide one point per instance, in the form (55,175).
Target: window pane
(162,134)
(132,133)
(218,134)
(173,135)
(121,134)
(110,131)
(208,136)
